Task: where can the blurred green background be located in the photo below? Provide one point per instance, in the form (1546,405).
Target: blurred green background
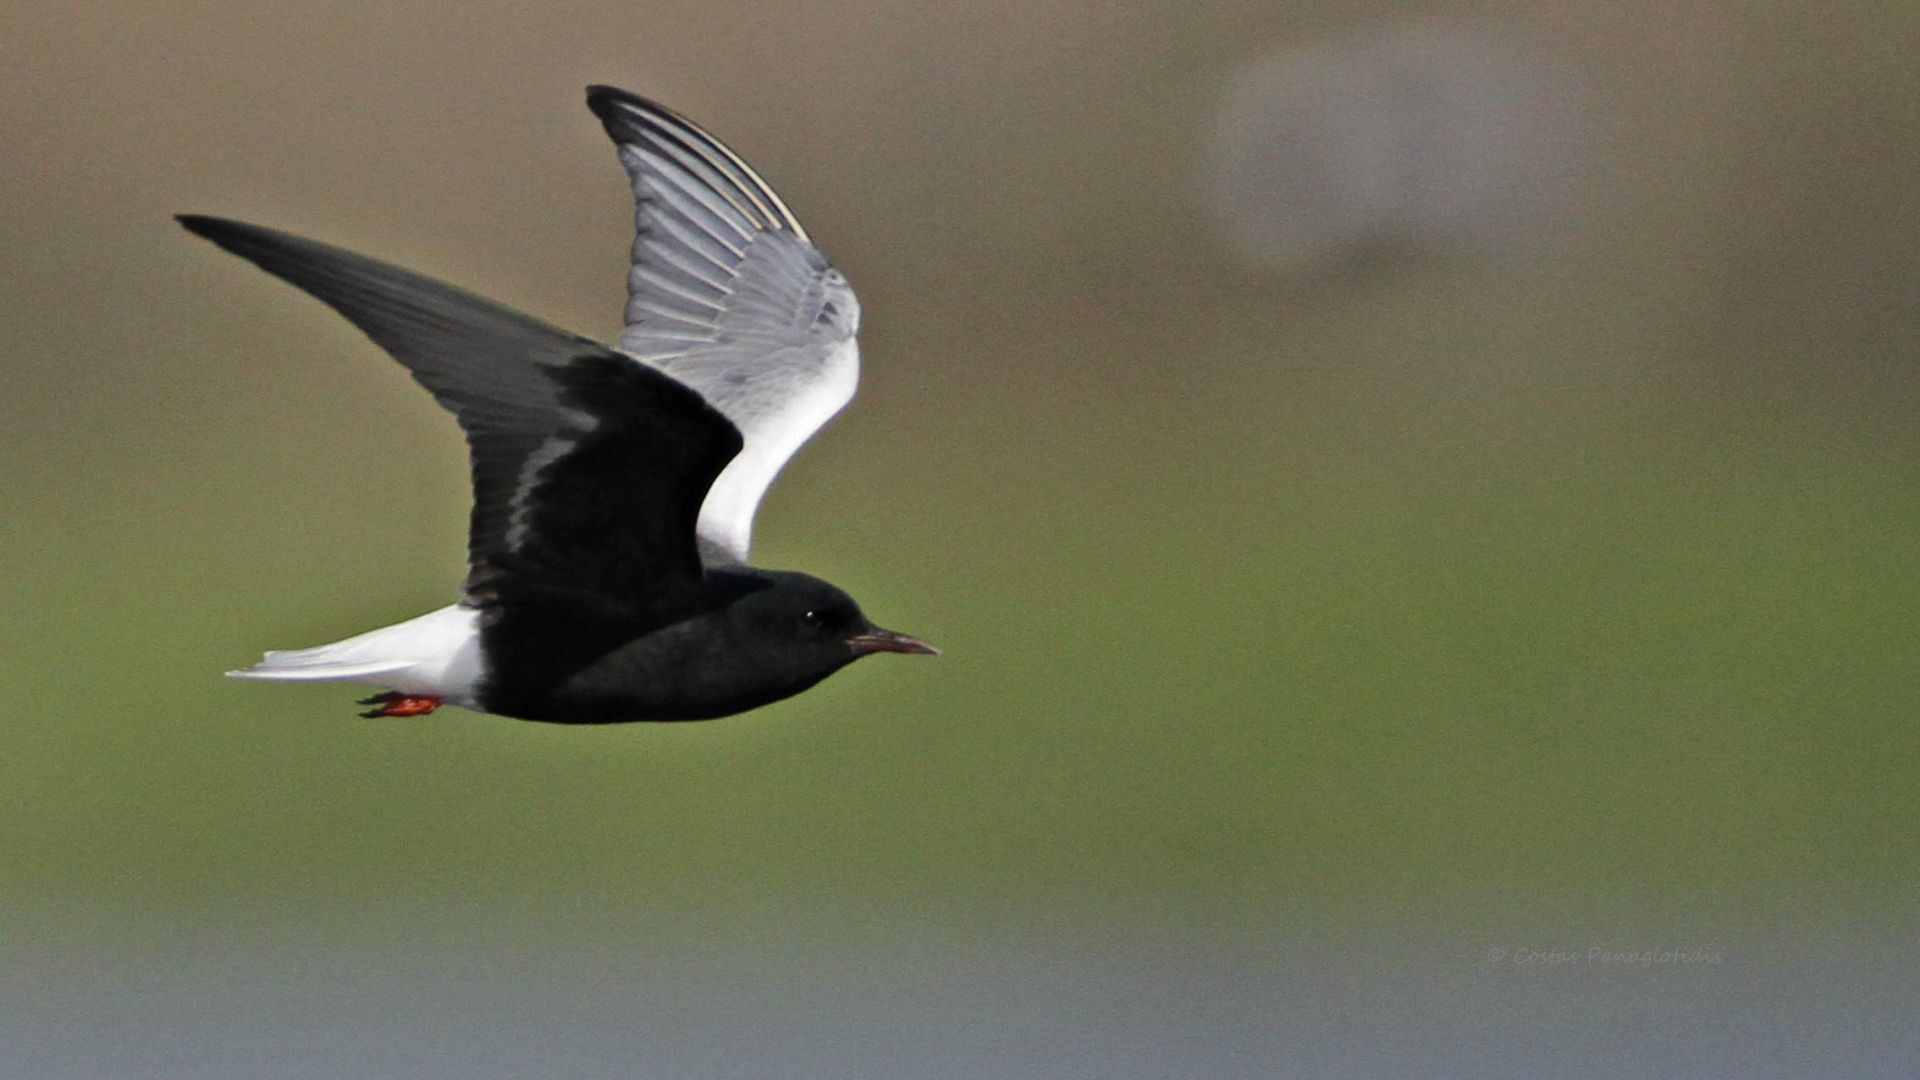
(1330,638)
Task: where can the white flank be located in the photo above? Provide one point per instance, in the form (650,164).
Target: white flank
(437,653)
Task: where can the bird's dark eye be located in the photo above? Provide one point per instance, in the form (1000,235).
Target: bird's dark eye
(814,618)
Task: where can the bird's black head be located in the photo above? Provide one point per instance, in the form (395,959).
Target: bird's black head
(804,626)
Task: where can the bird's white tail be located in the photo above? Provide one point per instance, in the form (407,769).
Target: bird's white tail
(437,653)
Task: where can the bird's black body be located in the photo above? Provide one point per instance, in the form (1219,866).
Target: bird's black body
(758,636)
(595,597)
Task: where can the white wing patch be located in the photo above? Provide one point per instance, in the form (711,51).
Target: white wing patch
(727,295)
(775,425)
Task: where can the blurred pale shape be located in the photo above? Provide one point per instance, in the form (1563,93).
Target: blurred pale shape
(1423,134)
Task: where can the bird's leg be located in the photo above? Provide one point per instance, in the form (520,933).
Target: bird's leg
(394,703)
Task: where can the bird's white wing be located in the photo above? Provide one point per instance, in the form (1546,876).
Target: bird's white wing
(728,295)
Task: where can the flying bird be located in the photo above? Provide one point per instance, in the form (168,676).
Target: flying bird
(614,488)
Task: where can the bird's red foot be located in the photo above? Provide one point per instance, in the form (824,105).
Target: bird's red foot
(394,703)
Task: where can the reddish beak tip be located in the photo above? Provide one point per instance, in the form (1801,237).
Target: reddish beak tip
(878,640)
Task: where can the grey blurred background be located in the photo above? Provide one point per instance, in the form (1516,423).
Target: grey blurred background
(1418,502)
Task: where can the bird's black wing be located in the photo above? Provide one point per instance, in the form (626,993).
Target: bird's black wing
(588,468)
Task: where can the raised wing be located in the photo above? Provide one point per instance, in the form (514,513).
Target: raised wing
(728,295)
(588,469)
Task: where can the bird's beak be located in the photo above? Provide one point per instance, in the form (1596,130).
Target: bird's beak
(878,640)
